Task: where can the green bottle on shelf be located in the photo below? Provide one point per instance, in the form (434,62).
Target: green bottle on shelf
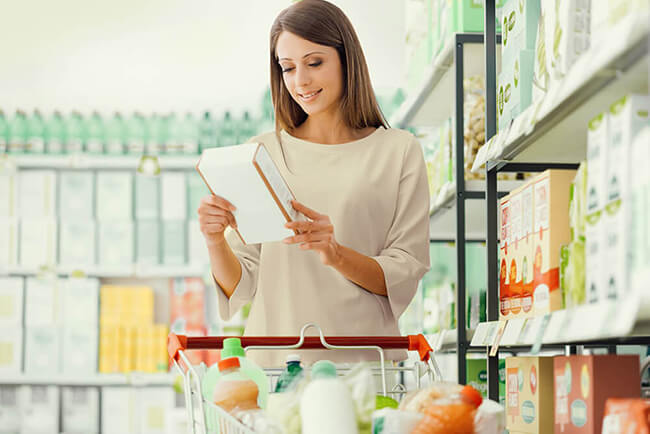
(55,134)
(95,134)
(76,135)
(155,137)
(4,133)
(291,375)
(190,134)
(246,128)
(115,135)
(18,133)
(136,134)
(36,133)
(173,145)
(227,131)
(206,132)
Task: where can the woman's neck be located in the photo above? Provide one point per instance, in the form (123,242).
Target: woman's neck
(330,130)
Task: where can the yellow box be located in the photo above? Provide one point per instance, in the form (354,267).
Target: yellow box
(529,395)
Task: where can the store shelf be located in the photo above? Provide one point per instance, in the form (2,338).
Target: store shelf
(554,129)
(433,102)
(131,271)
(446,340)
(85,161)
(132,379)
(442,224)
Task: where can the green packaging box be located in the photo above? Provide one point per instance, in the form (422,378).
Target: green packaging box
(515,87)
(519,19)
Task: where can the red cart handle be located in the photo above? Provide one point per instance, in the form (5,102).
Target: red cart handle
(176,343)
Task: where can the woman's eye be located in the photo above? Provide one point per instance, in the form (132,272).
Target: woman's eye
(319,63)
(286,70)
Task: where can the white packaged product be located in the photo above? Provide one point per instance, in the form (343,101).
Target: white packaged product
(147,249)
(80,301)
(8,194)
(37,195)
(76,195)
(597,143)
(38,243)
(9,409)
(116,243)
(392,421)
(77,244)
(595,241)
(79,349)
(153,405)
(80,410)
(147,197)
(42,350)
(173,196)
(628,116)
(569,33)
(607,14)
(639,203)
(11,351)
(174,239)
(8,243)
(118,415)
(39,409)
(11,301)
(114,198)
(41,301)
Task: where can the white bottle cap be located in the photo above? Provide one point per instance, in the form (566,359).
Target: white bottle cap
(293,358)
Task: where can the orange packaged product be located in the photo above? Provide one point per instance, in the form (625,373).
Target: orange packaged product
(504,269)
(451,414)
(622,416)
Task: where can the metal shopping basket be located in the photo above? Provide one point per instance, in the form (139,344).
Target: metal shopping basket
(206,417)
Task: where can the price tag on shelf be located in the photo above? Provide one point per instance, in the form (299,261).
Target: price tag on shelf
(501,326)
(480,334)
(540,334)
(555,332)
(530,331)
(513,331)
(440,340)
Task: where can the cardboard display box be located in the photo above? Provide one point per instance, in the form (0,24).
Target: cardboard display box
(529,394)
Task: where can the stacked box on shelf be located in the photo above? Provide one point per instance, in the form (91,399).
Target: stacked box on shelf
(196,190)
(11,321)
(39,409)
(114,210)
(147,213)
(187,311)
(529,395)
(10,408)
(76,219)
(8,219)
(173,215)
(583,384)
(573,255)
(80,410)
(606,15)
(80,307)
(42,326)
(640,203)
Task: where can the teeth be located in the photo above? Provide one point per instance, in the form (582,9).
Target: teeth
(310,94)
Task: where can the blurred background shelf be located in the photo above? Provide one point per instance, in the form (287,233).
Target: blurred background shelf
(87,161)
(132,271)
(131,379)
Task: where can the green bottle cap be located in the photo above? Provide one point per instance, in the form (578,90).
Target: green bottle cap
(232,348)
(323,369)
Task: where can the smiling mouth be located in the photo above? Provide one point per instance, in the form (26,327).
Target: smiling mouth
(309,96)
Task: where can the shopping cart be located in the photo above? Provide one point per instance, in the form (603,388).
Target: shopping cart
(206,417)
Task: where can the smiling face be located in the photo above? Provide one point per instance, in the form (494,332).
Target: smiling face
(312,74)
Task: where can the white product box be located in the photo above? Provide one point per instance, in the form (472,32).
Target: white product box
(606,14)
(196,190)
(80,410)
(114,196)
(9,409)
(80,301)
(628,116)
(519,21)
(37,195)
(639,203)
(196,248)
(8,243)
(595,241)
(77,244)
(173,196)
(41,301)
(147,197)
(569,32)
(38,242)
(174,240)
(79,349)
(39,409)
(618,237)
(8,195)
(12,291)
(11,350)
(148,242)
(118,413)
(153,404)
(76,195)
(597,143)
(116,243)
(42,350)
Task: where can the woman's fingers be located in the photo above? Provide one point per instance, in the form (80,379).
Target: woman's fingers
(305,210)
(308,238)
(303,226)
(222,203)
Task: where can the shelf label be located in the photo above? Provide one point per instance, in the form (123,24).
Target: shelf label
(530,331)
(480,334)
(501,326)
(513,331)
(556,327)
(540,334)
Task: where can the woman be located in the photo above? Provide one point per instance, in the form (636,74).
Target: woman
(356,263)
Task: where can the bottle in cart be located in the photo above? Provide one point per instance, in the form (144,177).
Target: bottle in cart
(326,405)
(36,133)
(234,390)
(291,375)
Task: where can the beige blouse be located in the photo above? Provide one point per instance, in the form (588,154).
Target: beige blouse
(376,194)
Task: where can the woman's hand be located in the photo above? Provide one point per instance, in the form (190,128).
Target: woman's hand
(215,215)
(316,234)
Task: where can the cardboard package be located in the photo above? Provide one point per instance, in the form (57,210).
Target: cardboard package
(77,242)
(79,349)
(147,197)
(37,193)
(76,195)
(197,253)
(42,350)
(8,195)
(174,241)
(173,205)
(8,242)
(10,408)
(118,412)
(529,395)
(114,197)
(551,191)
(187,310)
(38,242)
(80,410)
(196,190)
(80,301)
(116,243)
(504,259)
(153,404)
(584,383)
(42,302)
(477,375)
(567,33)
(39,409)
(519,19)
(147,249)
(515,86)
(12,294)
(11,351)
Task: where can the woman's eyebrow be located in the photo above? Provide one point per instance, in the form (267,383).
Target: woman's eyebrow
(306,55)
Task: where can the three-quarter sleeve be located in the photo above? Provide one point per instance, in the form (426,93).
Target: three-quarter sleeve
(405,256)
(249,258)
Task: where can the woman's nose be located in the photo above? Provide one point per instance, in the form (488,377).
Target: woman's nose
(303,77)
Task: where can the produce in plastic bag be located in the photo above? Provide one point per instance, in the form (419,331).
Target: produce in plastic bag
(391,421)
(490,418)
(258,421)
(362,388)
(284,408)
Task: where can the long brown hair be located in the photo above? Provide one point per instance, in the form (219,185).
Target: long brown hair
(323,23)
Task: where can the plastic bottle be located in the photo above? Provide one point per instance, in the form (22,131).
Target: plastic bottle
(36,133)
(18,132)
(55,135)
(190,134)
(227,131)
(326,405)
(4,132)
(246,129)
(157,134)
(96,135)
(76,135)
(234,390)
(136,134)
(232,348)
(173,145)
(115,135)
(451,413)
(206,132)
(291,374)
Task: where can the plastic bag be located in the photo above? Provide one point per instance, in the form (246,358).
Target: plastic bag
(490,418)
(284,408)
(258,420)
(362,388)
